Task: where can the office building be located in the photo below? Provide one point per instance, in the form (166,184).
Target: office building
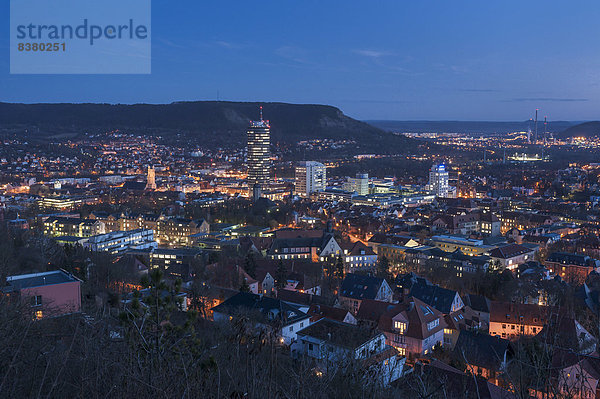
(311,177)
(358,184)
(117,242)
(65,202)
(438,181)
(259,153)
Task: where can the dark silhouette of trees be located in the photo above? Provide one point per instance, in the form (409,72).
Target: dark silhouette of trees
(281,275)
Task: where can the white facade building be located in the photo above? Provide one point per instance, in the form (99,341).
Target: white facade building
(311,177)
(120,241)
(438,181)
(358,184)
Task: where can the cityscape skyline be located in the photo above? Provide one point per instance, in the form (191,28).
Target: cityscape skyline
(203,249)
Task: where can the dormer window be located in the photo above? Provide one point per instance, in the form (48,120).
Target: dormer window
(400,327)
(433,324)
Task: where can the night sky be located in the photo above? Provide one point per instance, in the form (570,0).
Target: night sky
(401,59)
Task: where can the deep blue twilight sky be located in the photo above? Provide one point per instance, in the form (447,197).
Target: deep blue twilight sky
(395,59)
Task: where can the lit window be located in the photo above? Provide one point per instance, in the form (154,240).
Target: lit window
(400,326)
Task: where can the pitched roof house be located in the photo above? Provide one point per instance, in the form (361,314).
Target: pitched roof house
(412,327)
(284,319)
(358,256)
(511,320)
(356,287)
(318,312)
(314,245)
(444,300)
(575,375)
(572,268)
(485,355)
(436,375)
(512,255)
(335,345)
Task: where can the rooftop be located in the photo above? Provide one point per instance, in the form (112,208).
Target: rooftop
(15,283)
(338,333)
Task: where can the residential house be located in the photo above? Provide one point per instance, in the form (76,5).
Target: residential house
(298,281)
(575,375)
(454,383)
(334,345)
(565,332)
(356,287)
(484,355)
(230,276)
(168,259)
(318,312)
(357,256)
(572,268)
(412,327)
(177,231)
(512,320)
(457,222)
(445,300)
(280,317)
(489,224)
(62,226)
(49,294)
(266,280)
(480,305)
(523,221)
(461,320)
(304,301)
(512,255)
(314,245)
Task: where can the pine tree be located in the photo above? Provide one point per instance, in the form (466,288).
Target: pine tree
(250,264)
(383,267)
(244,287)
(339,267)
(281,276)
(149,331)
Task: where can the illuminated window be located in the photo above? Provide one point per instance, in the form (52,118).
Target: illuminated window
(400,326)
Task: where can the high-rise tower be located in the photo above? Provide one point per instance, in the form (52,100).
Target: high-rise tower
(438,180)
(259,153)
(310,176)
